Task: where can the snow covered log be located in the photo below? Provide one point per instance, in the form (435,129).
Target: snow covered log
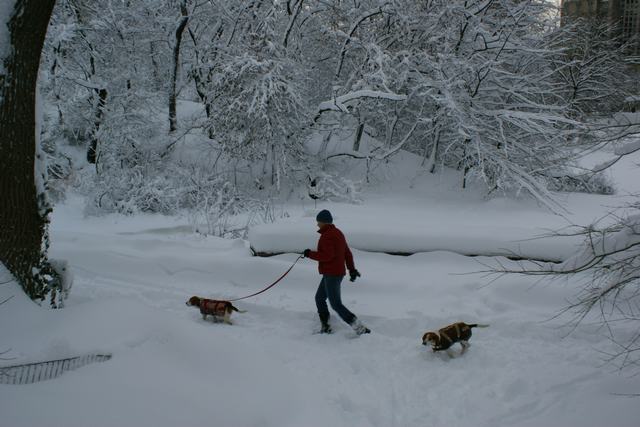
(403,238)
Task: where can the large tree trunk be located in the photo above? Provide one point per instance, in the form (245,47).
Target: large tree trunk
(24,209)
(173,115)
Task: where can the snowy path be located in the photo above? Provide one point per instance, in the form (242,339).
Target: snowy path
(172,368)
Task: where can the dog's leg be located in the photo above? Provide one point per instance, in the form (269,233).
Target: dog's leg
(465,345)
(450,353)
(227,318)
(204,316)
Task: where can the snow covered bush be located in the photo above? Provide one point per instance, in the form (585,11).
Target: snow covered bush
(594,183)
(608,267)
(611,261)
(325,186)
(133,192)
(211,200)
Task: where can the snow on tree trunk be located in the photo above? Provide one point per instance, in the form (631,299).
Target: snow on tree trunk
(24,209)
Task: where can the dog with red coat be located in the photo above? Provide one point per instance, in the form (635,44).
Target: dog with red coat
(333,255)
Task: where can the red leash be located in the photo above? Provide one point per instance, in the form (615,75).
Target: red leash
(271,285)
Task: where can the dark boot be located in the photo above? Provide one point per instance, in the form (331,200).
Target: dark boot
(324,321)
(359,327)
(325,328)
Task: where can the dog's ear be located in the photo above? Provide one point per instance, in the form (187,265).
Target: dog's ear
(429,337)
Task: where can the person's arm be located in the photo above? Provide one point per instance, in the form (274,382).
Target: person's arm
(349,258)
(353,273)
(326,251)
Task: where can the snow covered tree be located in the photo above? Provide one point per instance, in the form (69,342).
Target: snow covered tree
(24,211)
(476,81)
(479,86)
(258,95)
(103,61)
(591,67)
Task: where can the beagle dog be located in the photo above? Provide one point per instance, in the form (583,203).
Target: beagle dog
(449,335)
(218,309)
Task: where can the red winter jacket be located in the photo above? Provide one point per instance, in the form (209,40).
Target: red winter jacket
(333,252)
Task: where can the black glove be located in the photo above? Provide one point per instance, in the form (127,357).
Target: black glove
(306,253)
(353,274)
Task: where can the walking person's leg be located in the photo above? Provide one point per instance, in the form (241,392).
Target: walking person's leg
(323,310)
(332,285)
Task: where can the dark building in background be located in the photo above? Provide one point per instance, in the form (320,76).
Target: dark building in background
(625,14)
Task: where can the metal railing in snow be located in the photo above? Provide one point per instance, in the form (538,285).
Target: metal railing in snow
(42,371)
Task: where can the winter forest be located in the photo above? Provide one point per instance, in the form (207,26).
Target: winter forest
(482,159)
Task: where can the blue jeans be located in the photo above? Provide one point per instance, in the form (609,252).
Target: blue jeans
(330,288)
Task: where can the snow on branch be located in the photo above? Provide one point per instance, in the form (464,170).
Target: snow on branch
(294,13)
(366,15)
(608,264)
(620,151)
(339,103)
(628,148)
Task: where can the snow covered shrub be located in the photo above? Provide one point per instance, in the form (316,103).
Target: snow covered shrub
(133,191)
(611,261)
(59,168)
(325,186)
(211,201)
(133,169)
(598,183)
(608,266)
(61,292)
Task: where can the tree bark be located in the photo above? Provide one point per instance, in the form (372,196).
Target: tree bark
(356,142)
(24,210)
(201,81)
(173,116)
(92,151)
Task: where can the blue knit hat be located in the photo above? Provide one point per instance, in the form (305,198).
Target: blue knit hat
(325,217)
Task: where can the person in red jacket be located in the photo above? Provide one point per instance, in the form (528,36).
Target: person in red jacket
(332,255)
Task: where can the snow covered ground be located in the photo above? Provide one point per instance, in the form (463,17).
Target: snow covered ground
(169,367)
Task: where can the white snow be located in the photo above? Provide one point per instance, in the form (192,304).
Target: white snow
(169,367)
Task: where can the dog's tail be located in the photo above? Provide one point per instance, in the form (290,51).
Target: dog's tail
(478,325)
(239,311)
